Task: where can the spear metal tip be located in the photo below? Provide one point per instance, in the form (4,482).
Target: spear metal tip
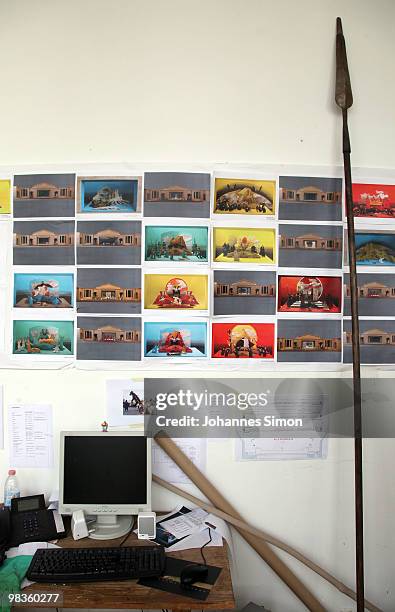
(343,92)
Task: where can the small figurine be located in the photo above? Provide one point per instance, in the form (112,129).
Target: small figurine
(104,426)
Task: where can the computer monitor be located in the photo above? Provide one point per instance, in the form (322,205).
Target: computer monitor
(106,474)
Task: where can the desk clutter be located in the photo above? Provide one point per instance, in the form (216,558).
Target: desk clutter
(91,478)
(195,267)
(92,483)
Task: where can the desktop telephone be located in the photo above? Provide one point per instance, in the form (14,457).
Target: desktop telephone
(28,520)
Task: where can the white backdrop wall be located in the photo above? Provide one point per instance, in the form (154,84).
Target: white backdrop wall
(246,81)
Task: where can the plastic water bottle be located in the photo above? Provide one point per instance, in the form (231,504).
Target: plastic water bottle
(11,488)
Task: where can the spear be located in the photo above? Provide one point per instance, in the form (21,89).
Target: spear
(344,100)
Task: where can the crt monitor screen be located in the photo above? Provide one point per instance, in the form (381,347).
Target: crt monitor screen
(105,470)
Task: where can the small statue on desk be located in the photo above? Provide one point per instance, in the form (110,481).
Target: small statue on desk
(104,426)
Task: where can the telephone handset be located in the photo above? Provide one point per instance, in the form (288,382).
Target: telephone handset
(27,521)
(31,521)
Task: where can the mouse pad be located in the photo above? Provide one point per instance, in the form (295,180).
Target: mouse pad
(170,580)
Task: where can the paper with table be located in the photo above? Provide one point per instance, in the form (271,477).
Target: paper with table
(185,528)
(312,407)
(185,524)
(280,448)
(30,436)
(164,467)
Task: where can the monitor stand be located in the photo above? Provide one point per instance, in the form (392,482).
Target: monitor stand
(110,526)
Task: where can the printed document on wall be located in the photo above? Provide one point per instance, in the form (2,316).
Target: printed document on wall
(30,436)
(164,467)
(266,449)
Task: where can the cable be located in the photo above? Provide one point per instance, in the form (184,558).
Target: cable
(128,533)
(205,544)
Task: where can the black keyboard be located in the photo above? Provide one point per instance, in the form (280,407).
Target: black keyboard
(96,564)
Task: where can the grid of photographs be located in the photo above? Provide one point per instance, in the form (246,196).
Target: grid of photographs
(192,266)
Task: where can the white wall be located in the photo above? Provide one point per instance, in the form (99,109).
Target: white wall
(199,81)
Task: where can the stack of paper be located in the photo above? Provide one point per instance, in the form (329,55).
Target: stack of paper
(185,528)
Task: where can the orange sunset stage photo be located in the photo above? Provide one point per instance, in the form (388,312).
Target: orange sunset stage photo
(243,340)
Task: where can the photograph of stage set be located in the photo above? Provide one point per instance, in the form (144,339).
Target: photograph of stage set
(197,305)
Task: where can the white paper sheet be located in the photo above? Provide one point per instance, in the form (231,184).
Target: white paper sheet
(164,467)
(186,524)
(219,531)
(28,548)
(30,436)
(197,540)
(266,449)
(122,405)
(201,537)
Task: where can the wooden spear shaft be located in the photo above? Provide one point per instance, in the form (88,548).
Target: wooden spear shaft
(238,523)
(344,100)
(219,501)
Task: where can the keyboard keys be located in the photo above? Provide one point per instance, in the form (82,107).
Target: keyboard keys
(87,564)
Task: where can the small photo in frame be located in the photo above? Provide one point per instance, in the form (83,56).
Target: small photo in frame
(109,194)
(244,245)
(109,243)
(5,197)
(310,246)
(43,290)
(44,195)
(372,248)
(109,290)
(250,340)
(175,339)
(376,341)
(300,341)
(244,293)
(310,294)
(109,338)
(172,292)
(310,198)
(45,338)
(373,201)
(168,244)
(125,402)
(244,197)
(177,194)
(43,242)
(376,295)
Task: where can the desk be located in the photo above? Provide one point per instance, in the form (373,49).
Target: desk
(128,594)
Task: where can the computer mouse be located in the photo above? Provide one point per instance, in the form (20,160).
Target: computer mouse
(193,573)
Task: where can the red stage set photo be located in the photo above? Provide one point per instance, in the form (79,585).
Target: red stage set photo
(373,200)
(309,294)
(243,340)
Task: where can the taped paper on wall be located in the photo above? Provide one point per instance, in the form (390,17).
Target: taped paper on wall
(30,436)
(164,467)
(125,402)
(266,449)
